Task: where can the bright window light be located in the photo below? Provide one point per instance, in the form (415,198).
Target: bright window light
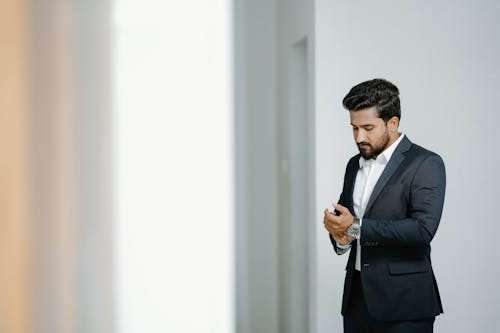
(173,166)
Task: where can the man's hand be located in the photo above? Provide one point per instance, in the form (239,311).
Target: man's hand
(337,225)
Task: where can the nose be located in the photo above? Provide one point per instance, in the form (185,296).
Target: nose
(360,136)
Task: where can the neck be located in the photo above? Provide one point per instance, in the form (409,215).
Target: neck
(393,138)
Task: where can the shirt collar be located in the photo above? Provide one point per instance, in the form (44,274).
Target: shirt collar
(384,156)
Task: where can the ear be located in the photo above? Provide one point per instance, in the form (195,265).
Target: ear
(393,124)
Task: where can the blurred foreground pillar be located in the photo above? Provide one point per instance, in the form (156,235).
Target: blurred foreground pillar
(56,267)
(70,143)
(14,194)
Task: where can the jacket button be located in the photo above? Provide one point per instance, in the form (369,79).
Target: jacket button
(366,265)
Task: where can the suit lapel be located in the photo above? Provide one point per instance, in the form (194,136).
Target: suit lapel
(351,180)
(396,159)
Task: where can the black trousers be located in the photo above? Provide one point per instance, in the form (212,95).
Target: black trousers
(357,319)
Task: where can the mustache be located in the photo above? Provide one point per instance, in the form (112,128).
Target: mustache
(363,144)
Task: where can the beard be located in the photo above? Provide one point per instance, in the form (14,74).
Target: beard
(376,148)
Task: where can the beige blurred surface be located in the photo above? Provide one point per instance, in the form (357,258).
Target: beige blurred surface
(55,223)
(14,196)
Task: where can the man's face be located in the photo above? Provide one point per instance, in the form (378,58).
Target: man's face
(370,131)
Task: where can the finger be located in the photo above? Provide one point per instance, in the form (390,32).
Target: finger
(332,218)
(334,229)
(331,226)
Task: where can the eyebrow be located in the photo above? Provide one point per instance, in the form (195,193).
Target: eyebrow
(365,125)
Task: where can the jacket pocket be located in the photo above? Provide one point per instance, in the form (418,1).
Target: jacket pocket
(408,267)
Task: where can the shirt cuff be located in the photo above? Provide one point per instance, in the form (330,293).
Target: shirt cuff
(343,247)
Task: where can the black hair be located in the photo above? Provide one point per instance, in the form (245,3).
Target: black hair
(377,92)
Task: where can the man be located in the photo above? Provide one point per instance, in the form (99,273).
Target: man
(387,215)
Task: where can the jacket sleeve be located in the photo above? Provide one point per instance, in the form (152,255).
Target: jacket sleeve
(342,201)
(425,206)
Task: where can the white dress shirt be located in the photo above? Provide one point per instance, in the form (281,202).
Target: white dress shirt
(368,174)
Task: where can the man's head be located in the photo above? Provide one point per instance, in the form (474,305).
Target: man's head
(375,113)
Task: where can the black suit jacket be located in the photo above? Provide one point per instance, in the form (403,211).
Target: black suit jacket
(400,220)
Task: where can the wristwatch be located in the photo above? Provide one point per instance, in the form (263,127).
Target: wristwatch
(354,229)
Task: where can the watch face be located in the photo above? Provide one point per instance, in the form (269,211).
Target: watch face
(353,230)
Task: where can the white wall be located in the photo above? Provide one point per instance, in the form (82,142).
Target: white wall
(444,58)
(295,154)
(264,33)
(255,173)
